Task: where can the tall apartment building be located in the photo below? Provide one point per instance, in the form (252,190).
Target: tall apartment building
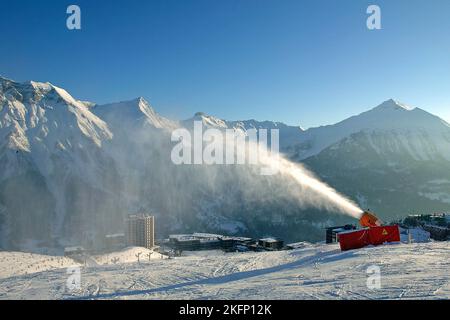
(141,231)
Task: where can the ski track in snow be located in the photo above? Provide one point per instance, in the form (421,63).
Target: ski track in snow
(415,271)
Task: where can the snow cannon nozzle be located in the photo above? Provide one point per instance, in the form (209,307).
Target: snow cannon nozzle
(369,220)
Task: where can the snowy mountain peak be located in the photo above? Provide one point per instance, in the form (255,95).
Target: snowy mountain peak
(394,104)
(33,92)
(132,112)
(41,114)
(288,134)
(250,124)
(44,86)
(396,120)
(139,102)
(209,121)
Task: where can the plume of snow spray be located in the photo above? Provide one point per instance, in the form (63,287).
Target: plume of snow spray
(326,197)
(307,190)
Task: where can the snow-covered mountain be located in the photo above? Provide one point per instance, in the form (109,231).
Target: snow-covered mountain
(208,121)
(71,170)
(393,159)
(289,135)
(50,157)
(42,115)
(412,130)
(137,112)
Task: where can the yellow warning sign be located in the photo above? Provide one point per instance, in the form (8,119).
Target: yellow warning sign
(384,233)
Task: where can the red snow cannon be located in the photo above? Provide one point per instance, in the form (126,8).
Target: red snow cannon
(369,220)
(349,240)
(374,233)
(384,234)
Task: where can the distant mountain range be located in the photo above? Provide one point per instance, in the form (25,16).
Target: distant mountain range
(71,170)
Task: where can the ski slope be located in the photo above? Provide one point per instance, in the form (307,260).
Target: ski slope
(408,271)
(14,264)
(128,255)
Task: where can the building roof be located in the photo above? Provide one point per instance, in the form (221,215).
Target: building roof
(242,239)
(207,235)
(183,237)
(270,240)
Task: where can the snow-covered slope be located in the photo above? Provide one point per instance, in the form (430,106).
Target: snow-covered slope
(407,271)
(387,159)
(208,121)
(34,113)
(128,255)
(13,264)
(40,120)
(422,134)
(289,135)
(137,112)
(83,167)
(50,144)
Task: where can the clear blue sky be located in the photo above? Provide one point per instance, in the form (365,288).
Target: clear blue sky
(302,62)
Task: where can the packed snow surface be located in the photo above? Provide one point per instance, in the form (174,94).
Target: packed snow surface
(128,255)
(20,263)
(408,271)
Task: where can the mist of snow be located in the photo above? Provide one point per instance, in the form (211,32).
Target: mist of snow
(309,188)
